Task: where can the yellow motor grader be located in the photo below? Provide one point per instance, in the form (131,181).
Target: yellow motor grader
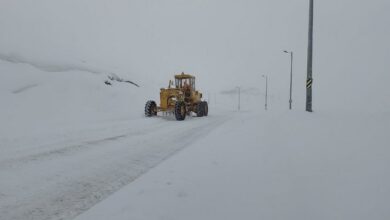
(180,99)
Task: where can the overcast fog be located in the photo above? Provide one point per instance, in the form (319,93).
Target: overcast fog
(221,41)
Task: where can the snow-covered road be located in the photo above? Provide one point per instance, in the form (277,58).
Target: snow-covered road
(267,165)
(64,177)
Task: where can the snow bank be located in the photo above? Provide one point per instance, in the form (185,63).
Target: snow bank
(38,105)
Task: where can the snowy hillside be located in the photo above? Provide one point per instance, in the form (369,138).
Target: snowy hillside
(38,104)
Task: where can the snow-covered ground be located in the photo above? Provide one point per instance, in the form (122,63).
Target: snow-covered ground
(68,140)
(267,166)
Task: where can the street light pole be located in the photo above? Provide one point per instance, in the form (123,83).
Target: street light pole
(309,79)
(266,91)
(291,70)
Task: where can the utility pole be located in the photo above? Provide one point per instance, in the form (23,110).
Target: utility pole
(266,91)
(239,98)
(291,70)
(309,79)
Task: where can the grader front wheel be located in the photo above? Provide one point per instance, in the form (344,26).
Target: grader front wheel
(199,109)
(180,111)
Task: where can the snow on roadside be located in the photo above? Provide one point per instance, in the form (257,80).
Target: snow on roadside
(67,140)
(39,107)
(268,166)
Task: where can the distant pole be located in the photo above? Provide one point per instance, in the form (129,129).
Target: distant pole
(266,91)
(291,70)
(292,56)
(239,98)
(309,79)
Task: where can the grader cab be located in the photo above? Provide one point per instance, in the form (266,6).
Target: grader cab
(180,99)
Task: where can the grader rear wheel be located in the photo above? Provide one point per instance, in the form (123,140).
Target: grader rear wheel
(150,108)
(205,108)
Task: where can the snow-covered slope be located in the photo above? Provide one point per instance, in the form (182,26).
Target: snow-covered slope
(38,104)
